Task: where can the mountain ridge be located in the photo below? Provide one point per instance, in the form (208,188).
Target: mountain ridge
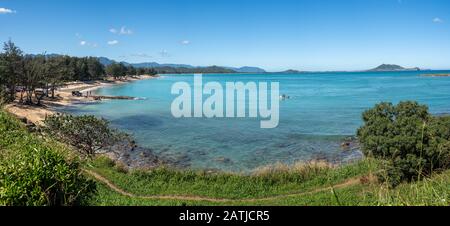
(246,69)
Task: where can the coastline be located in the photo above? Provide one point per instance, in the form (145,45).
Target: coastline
(63,97)
(436,75)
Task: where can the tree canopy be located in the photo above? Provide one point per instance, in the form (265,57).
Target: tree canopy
(87,133)
(41,75)
(411,141)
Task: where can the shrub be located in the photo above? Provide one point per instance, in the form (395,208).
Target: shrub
(43,177)
(87,134)
(35,173)
(411,142)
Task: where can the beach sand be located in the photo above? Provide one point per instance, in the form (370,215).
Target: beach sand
(37,114)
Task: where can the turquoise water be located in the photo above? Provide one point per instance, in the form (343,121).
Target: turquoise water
(324,109)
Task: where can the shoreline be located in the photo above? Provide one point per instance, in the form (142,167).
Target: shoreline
(63,97)
(436,75)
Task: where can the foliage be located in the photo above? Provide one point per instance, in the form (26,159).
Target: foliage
(32,78)
(410,141)
(169,181)
(36,173)
(146,71)
(87,134)
(11,64)
(116,70)
(183,70)
(41,75)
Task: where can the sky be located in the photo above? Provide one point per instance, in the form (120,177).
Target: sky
(276,35)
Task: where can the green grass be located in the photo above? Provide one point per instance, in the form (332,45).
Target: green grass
(14,137)
(107,197)
(433,191)
(164,181)
(306,185)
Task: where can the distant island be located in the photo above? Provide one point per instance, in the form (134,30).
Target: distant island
(291,71)
(393,67)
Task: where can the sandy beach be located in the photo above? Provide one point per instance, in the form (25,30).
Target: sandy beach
(36,114)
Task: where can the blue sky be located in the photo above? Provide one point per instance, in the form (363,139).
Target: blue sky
(275,35)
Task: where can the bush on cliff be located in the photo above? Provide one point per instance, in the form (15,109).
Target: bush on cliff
(87,134)
(411,142)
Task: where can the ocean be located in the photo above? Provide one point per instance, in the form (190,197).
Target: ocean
(323,110)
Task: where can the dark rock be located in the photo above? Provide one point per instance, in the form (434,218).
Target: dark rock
(23,120)
(223,160)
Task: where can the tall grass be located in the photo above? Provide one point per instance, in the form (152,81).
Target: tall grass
(434,191)
(268,181)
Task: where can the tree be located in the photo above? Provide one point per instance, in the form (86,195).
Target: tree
(86,133)
(2,78)
(131,71)
(150,71)
(41,75)
(95,68)
(32,78)
(55,69)
(410,141)
(140,71)
(116,70)
(12,67)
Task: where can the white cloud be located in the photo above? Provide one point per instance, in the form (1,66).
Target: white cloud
(86,43)
(437,20)
(125,31)
(6,11)
(185,42)
(113,42)
(122,31)
(164,53)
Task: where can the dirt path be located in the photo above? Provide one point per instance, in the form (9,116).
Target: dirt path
(348,183)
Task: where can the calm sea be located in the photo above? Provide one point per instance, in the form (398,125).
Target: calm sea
(324,109)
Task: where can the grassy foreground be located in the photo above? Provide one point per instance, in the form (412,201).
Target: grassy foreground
(316,184)
(310,185)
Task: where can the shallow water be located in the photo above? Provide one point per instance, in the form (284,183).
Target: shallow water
(324,109)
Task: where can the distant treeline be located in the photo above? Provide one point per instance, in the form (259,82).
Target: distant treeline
(200,70)
(35,77)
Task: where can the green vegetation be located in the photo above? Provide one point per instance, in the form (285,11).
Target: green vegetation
(260,184)
(36,77)
(36,173)
(87,134)
(411,143)
(201,70)
(347,185)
